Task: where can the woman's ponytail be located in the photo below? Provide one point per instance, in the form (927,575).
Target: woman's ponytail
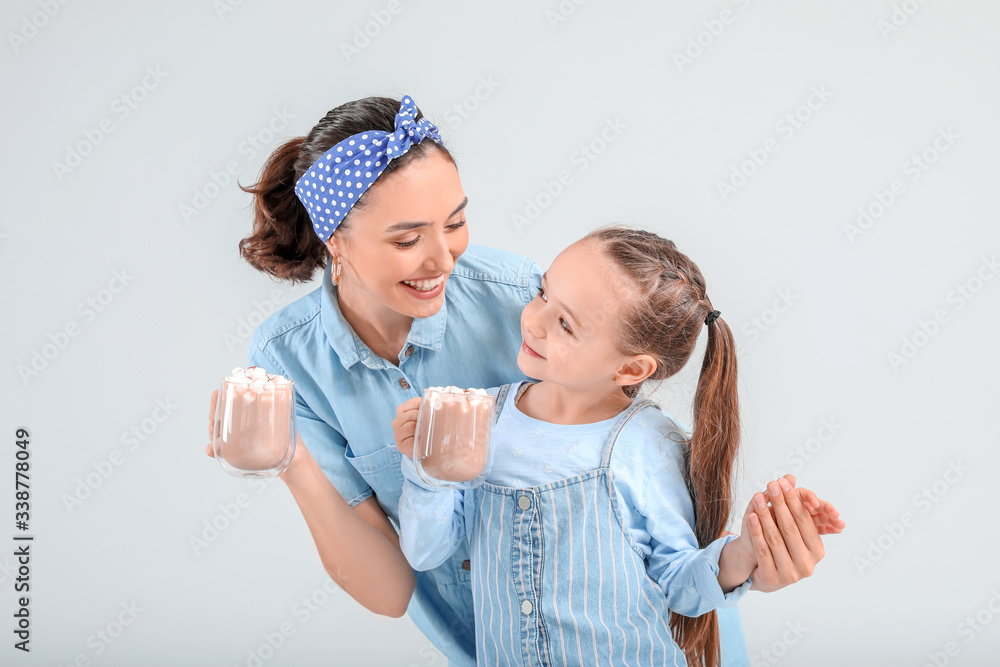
(282,242)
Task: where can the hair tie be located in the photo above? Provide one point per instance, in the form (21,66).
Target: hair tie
(335,182)
(712,316)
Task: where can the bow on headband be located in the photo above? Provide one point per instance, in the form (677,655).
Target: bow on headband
(335,182)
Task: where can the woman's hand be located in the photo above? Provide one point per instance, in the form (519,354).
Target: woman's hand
(211,424)
(404,426)
(825,516)
(301,453)
(786,536)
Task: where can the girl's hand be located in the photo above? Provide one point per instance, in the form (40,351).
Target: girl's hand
(784,536)
(404,426)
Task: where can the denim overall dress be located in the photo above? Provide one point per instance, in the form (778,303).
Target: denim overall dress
(555,578)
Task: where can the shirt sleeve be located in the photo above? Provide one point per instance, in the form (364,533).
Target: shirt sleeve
(431,519)
(650,481)
(326,444)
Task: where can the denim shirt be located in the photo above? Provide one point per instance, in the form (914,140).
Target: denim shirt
(346,397)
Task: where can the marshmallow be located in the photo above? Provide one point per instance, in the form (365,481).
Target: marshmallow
(256,378)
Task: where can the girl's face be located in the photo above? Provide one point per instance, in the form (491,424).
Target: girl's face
(401,247)
(569,328)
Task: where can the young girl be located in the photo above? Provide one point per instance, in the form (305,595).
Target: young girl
(581,536)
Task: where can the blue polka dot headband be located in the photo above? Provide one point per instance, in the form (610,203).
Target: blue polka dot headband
(337,180)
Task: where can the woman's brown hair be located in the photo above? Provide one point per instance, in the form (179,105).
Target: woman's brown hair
(666,314)
(282,241)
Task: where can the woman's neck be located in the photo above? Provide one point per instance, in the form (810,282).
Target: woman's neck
(381,329)
(557,404)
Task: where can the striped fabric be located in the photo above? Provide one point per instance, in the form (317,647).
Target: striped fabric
(555,580)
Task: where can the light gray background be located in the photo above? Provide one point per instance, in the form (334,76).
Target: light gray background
(555,80)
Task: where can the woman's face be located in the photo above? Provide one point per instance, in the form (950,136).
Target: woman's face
(569,327)
(402,245)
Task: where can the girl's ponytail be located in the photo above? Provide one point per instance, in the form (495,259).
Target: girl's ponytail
(710,460)
(669,310)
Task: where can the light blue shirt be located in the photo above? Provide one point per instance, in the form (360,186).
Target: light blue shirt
(346,398)
(648,472)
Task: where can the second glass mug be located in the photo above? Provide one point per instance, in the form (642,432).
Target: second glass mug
(254,433)
(451,445)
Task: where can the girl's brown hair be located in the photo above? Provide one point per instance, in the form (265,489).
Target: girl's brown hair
(663,320)
(282,242)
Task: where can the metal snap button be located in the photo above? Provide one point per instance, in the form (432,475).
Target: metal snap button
(527,607)
(467,566)
(524,502)
(403,383)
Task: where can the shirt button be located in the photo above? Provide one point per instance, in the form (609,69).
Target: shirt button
(409,350)
(524,502)
(403,383)
(467,566)
(526,606)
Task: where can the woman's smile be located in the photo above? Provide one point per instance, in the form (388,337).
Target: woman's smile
(425,288)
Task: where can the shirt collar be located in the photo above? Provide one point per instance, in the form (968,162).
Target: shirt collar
(426,332)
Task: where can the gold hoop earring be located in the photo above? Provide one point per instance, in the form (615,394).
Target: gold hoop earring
(336,270)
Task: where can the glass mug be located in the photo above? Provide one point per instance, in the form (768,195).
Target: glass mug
(254,432)
(451,446)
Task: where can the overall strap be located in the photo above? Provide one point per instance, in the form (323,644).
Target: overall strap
(501,397)
(626,416)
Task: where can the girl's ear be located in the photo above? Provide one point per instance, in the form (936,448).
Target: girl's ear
(331,246)
(636,369)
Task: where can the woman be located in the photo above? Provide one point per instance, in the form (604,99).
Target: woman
(405,304)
